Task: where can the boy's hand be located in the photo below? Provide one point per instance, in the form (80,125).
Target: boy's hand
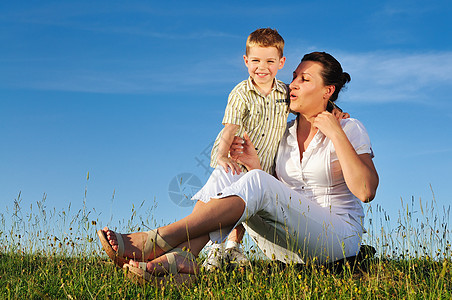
(227,162)
(339,114)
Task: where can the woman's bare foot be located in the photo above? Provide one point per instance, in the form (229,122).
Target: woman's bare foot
(133,244)
(160,265)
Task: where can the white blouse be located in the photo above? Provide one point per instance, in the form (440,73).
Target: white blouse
(319,176)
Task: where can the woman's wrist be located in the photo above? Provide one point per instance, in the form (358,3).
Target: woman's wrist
(338,136)
(253,166)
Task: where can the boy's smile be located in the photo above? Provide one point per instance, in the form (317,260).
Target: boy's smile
(263,63)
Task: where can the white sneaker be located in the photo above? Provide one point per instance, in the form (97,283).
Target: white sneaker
(214,258)
(236,258)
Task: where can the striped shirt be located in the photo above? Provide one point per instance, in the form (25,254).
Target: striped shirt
(263,118)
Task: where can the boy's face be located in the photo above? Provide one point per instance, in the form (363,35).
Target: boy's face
(263,63)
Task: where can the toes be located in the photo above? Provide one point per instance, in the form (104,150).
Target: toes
(111,237)
(113,241)
(133,263)
(110,234)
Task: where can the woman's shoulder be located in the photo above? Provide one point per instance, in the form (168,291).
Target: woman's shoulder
(291,127)
(357,135)
(289,136)
(350,121)
(351,124)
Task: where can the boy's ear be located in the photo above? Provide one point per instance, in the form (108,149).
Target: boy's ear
(282,61)
(245,58)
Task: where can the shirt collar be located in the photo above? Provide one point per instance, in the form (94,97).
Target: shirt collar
(281,86)
(292,138)
(277,85)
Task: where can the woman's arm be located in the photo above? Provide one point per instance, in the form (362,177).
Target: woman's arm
(359,171)
(244,152)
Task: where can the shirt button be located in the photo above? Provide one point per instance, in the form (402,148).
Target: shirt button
(263,134)
(255,148)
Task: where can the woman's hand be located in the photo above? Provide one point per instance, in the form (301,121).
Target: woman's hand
(328,124)
(244,152)
(228,163)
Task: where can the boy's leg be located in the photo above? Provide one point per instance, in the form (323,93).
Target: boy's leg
(236,234)
(234,253)
(214,259)
(218,180)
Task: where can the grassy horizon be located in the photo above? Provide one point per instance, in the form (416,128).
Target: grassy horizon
(48,254)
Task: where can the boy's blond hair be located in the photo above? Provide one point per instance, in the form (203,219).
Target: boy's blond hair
(265,37)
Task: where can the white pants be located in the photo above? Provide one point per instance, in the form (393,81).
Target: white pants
(283,224)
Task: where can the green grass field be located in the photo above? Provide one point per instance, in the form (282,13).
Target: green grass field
(38,276)
(49,254)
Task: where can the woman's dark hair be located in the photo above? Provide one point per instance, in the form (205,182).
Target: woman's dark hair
(332,73)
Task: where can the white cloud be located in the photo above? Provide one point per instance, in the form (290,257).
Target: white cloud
(389,76)
(409,8)
(378,77)
(430,152)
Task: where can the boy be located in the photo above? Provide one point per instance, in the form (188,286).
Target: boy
(259,107)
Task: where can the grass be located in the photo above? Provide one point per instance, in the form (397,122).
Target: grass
(40,276)
(49,254)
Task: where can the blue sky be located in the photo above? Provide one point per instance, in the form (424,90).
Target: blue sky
(133,92)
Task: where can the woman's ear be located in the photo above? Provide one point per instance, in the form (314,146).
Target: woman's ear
(329,91)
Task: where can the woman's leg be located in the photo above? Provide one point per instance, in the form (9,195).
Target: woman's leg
(289,226)
(191,243)
(205,218)
(160,264)
(133,242)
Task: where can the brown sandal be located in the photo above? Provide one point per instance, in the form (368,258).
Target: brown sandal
(142,276)
(153,239)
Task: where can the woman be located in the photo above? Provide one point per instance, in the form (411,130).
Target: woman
(311,211)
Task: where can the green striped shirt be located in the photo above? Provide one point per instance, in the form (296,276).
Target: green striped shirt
(263,118)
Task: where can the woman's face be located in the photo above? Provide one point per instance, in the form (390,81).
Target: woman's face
(307,90)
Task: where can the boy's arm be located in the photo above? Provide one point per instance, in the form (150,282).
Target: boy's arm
(223,158)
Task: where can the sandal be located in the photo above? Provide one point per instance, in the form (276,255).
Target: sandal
(141,275)
(153,239)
